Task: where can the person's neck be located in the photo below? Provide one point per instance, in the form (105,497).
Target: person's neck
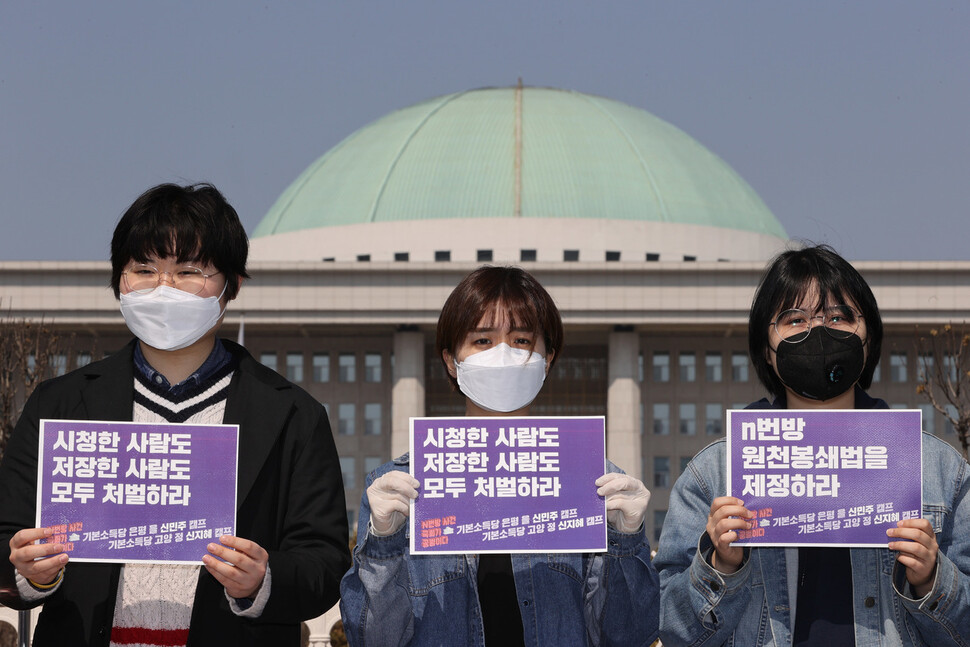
(843,401)
(472,410)
(177,365)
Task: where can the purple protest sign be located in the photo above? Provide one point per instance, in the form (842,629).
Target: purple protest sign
(508,485)
(825,478)
(136,492)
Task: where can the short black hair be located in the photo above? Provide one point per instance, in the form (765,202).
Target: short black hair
(526,303)
(193,223)
(787,280)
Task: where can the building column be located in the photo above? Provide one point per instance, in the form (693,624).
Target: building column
(407,393)
(623,402)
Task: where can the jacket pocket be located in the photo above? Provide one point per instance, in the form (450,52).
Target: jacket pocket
(428,571)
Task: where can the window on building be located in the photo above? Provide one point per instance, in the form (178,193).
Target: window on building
(268,359)
(82,359)
(950,367)
(59,364)
(690,259)
(661,366)
(321,367)
(929,418)
(372,367)
(442,256)
(876,373)
(688,367)
(951,412)
(651,256)
(713,419)
(712,367)
(661,418)
(371,463)
(739,367)
(346,418)
(570,255)
(484,256)
(348,468)
(897,367)
(684,462)
(661,471)
(294,367)
(612,256)
(658,524)
(347,367)
(363,258)
(372,419)
(688,419)
(924,364)
(402,256)
(527,255)
(640,367)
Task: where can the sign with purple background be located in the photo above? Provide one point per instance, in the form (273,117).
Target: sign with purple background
(508,485)
(825,478)
(136,492)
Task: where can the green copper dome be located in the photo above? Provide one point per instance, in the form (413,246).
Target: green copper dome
(508,152)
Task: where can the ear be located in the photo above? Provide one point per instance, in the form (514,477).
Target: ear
(549,357)
(239,281)
(449,361)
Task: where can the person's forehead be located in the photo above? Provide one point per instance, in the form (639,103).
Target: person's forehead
(496,319)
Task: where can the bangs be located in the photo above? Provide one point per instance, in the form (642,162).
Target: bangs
(807,281)
(517,314)
(156,238)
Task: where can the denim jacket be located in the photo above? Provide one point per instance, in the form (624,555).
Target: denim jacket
(390,597)
(752,607)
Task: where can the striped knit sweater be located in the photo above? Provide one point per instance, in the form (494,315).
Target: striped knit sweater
(154,603)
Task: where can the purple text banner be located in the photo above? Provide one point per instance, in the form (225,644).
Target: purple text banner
(825,478)
(508,485)
(136,492)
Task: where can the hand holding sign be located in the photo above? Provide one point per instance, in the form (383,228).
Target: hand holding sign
(25,556)
(728,516)
(390,499)
(626,501)
(243,575)
(918,555)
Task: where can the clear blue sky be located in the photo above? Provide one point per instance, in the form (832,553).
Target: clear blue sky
(849,119)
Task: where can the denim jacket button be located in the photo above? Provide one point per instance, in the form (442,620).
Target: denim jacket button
(870,602)
(525,603)
(715,586)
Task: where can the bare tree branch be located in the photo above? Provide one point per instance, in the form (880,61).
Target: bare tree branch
(944,375)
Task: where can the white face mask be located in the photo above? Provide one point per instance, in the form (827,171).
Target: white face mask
(169,319)
(502,378)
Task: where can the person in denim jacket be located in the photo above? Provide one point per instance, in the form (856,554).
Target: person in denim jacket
(498,334)
(814,337)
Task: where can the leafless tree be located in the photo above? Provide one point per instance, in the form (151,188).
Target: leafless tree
(29,353)
(944,375)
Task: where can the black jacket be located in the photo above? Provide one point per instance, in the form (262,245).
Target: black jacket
(290,501)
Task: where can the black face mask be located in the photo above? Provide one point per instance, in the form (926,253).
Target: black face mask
(821,367)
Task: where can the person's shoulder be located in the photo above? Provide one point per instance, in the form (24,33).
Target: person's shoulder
(118,362)
(936,449)
(401,464)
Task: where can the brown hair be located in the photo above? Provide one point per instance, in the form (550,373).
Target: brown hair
(526,303)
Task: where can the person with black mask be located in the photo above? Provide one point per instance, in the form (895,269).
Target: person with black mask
(814,336)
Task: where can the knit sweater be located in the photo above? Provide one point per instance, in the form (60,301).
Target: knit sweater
(154,603)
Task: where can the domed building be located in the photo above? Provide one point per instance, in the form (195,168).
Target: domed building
(650,244)
(539,174)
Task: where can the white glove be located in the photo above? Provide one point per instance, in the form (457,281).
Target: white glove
(626,501)
(390,498)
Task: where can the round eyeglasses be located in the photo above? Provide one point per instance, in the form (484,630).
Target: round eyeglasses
(840,322)
(145,278)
